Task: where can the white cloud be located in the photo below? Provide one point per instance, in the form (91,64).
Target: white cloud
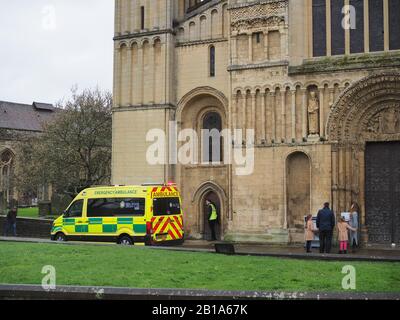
(46,47)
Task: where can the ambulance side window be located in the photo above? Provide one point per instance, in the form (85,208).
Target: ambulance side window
(75,210)
(116,207)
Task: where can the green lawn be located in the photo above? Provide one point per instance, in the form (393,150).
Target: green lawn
(28,212)
(149,268)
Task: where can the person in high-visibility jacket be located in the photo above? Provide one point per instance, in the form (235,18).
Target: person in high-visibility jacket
(212,218)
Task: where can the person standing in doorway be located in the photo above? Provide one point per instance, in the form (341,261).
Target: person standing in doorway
(325,225)
(354,223)
(212,218)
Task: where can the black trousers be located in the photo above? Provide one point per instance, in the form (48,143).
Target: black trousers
(325,239)
(212,224)
(308,246)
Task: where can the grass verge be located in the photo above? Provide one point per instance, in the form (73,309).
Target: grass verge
(88,265)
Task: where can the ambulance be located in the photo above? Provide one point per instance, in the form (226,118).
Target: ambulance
(127,215)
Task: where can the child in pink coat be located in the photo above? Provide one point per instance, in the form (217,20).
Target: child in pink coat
(343,235)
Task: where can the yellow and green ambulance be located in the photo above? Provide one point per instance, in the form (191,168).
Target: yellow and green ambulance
(138,215)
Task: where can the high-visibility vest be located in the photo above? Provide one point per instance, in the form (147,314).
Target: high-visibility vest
(214,215)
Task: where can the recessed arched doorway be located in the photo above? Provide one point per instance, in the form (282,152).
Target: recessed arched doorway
(298,180)
(364,127)
(213,198)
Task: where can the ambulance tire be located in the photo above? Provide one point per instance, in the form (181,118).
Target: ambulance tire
(60,237)
(125,240)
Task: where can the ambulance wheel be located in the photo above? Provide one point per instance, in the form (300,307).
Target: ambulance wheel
(60,237)
(125,240)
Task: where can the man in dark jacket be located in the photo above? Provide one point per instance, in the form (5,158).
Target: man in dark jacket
(11,221)
(325,224)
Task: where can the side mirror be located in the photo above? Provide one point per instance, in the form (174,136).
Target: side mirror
(65,213)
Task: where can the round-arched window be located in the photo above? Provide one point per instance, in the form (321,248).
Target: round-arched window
(212,139)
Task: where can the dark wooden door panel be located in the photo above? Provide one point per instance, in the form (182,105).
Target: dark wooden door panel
(383,192)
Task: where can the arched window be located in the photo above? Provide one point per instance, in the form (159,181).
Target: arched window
(212,61)
(212,139)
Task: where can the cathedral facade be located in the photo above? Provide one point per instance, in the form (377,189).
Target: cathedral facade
(317,80)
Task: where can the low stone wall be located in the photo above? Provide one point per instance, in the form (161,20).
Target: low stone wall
(30,228)
(29,292)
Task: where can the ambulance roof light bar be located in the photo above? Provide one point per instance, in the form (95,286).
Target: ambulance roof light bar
(168,184)
(152,184)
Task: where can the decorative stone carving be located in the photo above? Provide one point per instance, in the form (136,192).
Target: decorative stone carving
(270,8)
(313,114)
(257,23)
(265,15)
(368,110)
(386,121)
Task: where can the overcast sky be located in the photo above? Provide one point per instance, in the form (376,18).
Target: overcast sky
(48,46)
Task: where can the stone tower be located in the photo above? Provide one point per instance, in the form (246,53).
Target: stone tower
(143,78)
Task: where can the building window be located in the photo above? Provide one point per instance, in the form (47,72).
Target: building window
(394,24)
(212,61)
(212,140)
(142,17)
(337,30)
(376,27)
(319,28)
(357,34)
(258,37)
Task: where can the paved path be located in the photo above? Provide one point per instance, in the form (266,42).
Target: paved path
(297,252)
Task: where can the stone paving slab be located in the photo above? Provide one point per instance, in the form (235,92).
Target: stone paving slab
(111,293)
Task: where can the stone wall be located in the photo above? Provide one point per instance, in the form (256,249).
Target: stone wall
(30,228)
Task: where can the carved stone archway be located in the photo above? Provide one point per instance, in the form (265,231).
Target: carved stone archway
(367,111)
(198,199)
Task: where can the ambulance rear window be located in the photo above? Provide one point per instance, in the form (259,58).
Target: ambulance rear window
(116,207)
(166,206)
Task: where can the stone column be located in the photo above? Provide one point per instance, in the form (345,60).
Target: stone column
(134,18)
(140,74)
(155,14)
(117,17)
(138,16)
(335,198)
(273,115)
(125,16)
(153,71)
(284,43)
(322,112)
(243,106)
(117,76)
(283,106)
(266,46)
(129,68)
(305,113)
(366,26)
(250,36)
(234,49)
(293,93)
(253,115)
(263,121)
(386,25)
(234,111)
(331,97)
